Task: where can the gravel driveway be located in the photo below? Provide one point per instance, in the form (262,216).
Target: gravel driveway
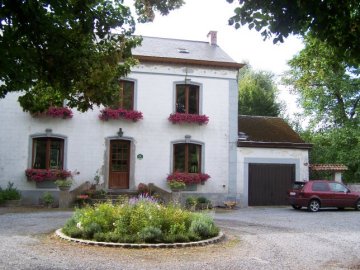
(257,238)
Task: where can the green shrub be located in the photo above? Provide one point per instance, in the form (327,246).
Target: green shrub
(204,226)
(2,197)
(150,235)
(91,229)
(139,221)
(47,198)
(202,200)
(73,232)
(190,202)
(10,193)
(100,237)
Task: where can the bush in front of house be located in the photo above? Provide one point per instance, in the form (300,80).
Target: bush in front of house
(10,193)
(141,220)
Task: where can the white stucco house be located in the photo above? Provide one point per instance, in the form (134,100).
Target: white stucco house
(176,81)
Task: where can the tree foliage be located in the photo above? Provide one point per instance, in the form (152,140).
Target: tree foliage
(327,86)
(338,145)
(54,50)
(257,93)
(332,21)
(328,90)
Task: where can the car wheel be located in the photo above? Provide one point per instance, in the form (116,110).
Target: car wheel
(357,206)
(296,207)
(314,206)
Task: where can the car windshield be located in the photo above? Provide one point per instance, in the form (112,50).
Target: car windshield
(298,185)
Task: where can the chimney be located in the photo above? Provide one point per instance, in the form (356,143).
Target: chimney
(212,35)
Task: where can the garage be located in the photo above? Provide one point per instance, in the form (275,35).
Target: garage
(268,183)
(270,157)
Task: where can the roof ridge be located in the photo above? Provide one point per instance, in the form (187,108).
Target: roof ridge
(178,39)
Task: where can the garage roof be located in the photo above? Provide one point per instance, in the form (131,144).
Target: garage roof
(268,132)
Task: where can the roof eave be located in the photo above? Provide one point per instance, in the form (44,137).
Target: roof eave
(288,145)
(170,60)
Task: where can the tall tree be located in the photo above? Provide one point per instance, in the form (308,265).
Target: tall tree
(334,22)
(257,93)
(329,88)
(63,49)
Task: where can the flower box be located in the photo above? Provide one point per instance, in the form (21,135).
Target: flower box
(59,112)
(109,113)
(178,118)
(41,175)
(55,112)
(188,178)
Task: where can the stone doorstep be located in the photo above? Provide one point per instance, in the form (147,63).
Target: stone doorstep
(130,245)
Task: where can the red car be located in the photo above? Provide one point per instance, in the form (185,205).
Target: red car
(316,194)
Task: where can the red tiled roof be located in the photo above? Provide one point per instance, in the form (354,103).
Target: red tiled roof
(328,167)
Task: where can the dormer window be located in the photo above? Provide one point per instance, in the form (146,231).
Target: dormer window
(187,98)
(183,50)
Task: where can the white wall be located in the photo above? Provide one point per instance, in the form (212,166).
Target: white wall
(247,155)
(151,137)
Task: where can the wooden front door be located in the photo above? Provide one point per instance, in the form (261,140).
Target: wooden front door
(119,166)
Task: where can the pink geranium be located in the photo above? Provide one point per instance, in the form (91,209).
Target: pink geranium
(188,178)
(176,118)
(41,175)
(109,113)
(60,112)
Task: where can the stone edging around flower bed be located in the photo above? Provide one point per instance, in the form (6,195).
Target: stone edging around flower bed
(128,245)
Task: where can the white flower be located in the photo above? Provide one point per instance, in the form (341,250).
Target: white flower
(79,225)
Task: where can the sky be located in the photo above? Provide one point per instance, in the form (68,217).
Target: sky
(196,18)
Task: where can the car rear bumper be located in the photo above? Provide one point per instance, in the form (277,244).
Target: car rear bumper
(298,201)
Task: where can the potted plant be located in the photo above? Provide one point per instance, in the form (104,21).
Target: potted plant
(176,185)
(191,203)
(48,199)
(63,184)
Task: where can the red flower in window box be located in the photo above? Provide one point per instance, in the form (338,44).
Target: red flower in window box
(176,118)
(41,175)
(188,178)
(60,112)
(109,113)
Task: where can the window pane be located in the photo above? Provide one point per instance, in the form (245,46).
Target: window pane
(180,98)
(194,158)
(55,160)
(126,93)
(336,187)
(320,186)
(119,156)
(39,155)
(48,153)
(179,157)
(128,90)
(193,99)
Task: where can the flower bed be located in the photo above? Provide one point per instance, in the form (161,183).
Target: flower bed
(41,175)
(188,178)
(109,113)
(139,220)
(177,118)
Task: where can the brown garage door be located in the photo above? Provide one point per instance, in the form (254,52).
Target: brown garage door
(269,183)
